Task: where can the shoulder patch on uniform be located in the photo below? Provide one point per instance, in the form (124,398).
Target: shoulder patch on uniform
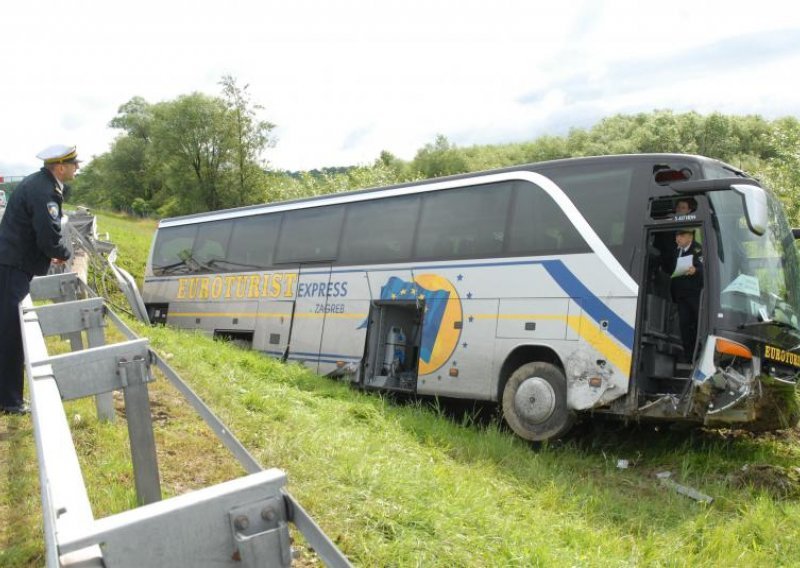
(52,208)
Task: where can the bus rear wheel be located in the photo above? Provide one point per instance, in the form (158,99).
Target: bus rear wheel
(535,402)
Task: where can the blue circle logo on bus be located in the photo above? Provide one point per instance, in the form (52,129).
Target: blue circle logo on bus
(440,334)
(442,310)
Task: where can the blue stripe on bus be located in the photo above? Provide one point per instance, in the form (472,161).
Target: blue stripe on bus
(590,303)
(334,356)
(313,359)
(568,282)
(316,357)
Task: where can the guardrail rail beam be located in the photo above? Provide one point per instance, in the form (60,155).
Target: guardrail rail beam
(239,523)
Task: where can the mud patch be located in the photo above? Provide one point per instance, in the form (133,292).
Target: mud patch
(778,481)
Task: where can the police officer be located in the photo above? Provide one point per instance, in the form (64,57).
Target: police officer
(686,286)
(30,237)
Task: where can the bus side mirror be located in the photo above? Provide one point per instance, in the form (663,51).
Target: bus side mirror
(755,206)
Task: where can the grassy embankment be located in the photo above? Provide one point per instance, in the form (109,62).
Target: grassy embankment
(407,484)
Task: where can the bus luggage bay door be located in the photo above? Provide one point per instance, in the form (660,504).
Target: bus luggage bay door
(273,326)
(309,314)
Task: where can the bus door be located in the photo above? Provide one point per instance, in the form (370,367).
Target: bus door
(345,330)
(311,301)
(273,327)
(665,356)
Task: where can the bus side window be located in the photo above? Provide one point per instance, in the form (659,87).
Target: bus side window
(310,235)
(253,241)
(539,226)
(602,194)
(210,245)
(464,222)
(380,230)
(173,249)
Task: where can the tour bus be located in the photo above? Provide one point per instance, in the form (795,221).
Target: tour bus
(542,287)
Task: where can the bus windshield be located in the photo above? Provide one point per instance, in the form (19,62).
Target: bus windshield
(758,274)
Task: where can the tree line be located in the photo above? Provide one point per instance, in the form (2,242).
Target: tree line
(201,153)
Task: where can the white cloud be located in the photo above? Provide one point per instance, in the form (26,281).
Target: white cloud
(345,80)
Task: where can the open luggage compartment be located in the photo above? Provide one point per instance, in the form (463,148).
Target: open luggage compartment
(392,350)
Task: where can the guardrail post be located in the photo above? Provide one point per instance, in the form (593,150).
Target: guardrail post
(98,371)
(135,374)
(56,287)
(69,319)
(96,337)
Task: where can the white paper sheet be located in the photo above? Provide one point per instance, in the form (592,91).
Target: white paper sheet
(683,265)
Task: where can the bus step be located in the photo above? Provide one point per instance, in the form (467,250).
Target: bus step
(669,385)
(660,405)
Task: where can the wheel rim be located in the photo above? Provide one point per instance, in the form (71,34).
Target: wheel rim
(535,400)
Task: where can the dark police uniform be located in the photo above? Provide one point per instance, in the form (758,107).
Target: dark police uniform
(686,294)
(30,236)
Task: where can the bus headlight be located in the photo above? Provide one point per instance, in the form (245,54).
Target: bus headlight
(725,348)
(734,374)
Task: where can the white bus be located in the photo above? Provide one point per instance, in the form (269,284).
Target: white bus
(541,287)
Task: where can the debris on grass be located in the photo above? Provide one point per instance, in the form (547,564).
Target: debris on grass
(665,477)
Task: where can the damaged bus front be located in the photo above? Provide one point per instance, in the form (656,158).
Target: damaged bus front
(747,356)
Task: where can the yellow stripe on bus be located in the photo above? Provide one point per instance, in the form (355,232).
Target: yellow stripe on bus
(619,356)
(589,331)
(330,315)
(218,314)
(264,315)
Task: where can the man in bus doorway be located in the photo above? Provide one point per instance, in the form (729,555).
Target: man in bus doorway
(684,206)
(30,237)
(686,286)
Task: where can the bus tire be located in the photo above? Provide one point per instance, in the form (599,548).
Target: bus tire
(535,402)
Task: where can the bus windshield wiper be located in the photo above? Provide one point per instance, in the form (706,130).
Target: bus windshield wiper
(232,264)
(776,323)
(170,268)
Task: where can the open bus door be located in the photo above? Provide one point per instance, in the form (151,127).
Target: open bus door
(663,368)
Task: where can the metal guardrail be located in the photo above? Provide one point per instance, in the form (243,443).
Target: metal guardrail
(243,522)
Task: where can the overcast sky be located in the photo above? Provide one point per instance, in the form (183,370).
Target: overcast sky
(343,80)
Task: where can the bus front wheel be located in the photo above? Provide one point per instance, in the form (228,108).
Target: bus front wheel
(535,402)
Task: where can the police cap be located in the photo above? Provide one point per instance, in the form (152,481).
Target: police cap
(59,154)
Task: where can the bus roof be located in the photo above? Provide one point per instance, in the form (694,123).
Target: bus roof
(536,166)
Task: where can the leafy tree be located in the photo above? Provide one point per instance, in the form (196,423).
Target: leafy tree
(250,136)
(439,159)
(199,152)
(125,173)
(134,117)
(400,170)
(192,138)
(783,169)
(193,153)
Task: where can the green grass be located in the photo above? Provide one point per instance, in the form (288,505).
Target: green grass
(133,238)
(416,483)
(399,483)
